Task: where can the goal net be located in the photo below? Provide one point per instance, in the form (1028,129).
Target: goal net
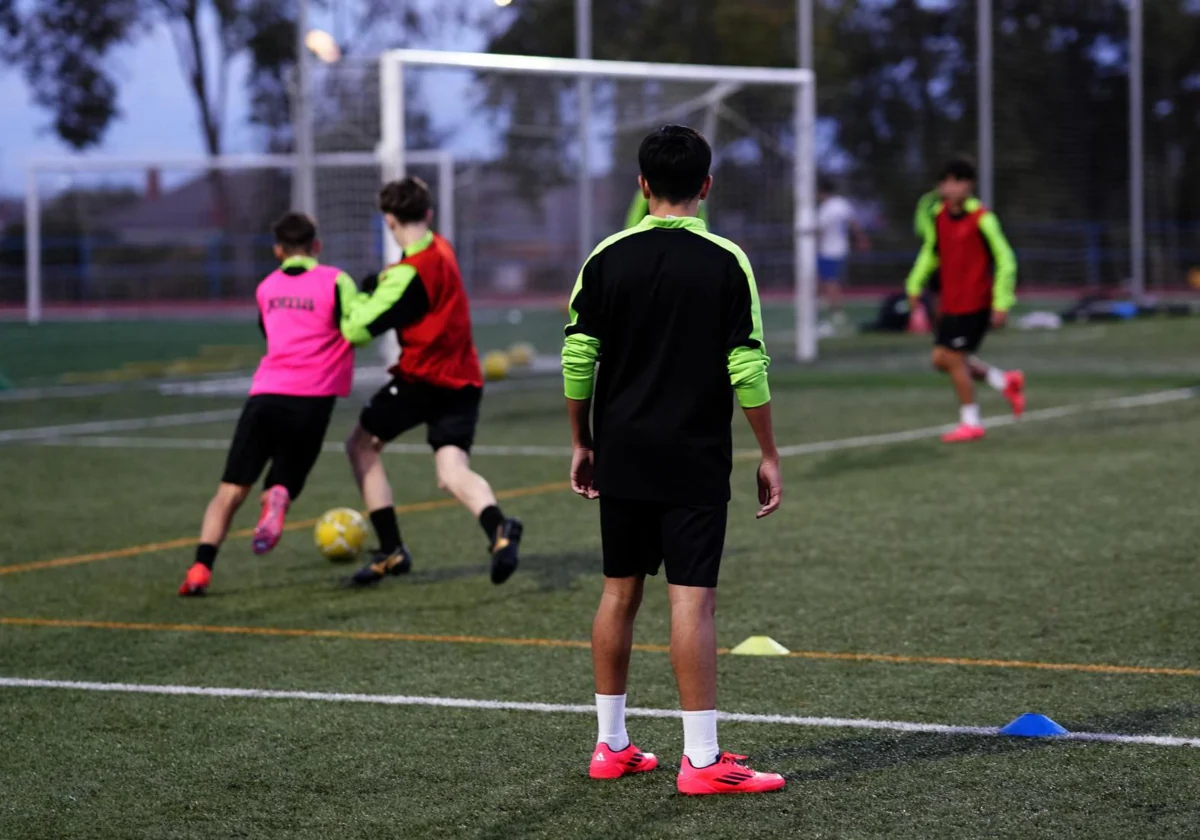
(545,155)
(190,235)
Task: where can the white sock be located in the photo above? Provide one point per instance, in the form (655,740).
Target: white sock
(700,737)
(996,378)
(969,415)
(610,712)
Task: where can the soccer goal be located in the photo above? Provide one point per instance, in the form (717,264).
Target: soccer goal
(191,235)
(546,154)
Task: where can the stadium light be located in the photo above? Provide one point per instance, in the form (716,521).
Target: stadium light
(323,45)
(503,3)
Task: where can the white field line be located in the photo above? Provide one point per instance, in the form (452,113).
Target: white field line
(59,436)
(1038,415)
(133,424)
(558,708)
(114,442)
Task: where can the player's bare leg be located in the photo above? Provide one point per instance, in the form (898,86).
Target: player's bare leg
(455,476)
(213,530)
(831,295)
(612,643)
(612,634)
(704,768)
(363,451)
(1009,383)
(954,364)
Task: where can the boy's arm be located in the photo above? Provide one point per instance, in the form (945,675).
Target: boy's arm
(746,354)
(1004,283)
(399,299)
(581,350)
(345,297)
(927,263)
(748,362)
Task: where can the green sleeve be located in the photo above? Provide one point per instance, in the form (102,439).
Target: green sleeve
(639,208)
(348,295)
(366,311)
(1004,261)
(923,218)
(927,263)
(747,359)
(581,349)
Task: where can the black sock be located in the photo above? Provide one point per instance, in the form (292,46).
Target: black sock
(386,528)
(206,554)
(490,519)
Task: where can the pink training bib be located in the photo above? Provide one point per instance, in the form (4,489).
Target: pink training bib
(306,353)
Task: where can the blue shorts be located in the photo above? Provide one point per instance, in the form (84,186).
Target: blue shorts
(830,270)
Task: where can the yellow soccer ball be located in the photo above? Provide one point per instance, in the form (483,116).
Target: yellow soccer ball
(496,366)
(340,534)
(521,354)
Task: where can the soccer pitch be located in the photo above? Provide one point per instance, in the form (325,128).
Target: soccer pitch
(929,594)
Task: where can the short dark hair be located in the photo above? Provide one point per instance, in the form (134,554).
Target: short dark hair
(825,184)
(408,199)
(295,232)
(675,161)
(961,168)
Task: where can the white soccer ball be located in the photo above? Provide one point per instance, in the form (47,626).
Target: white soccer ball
(340,534)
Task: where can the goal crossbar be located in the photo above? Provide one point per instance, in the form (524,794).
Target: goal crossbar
(581,67)
(583,72)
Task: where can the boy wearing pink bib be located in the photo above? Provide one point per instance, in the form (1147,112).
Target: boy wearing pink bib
(307,366)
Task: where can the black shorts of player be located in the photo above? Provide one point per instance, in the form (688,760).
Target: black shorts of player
(449,414)
(638,537)
(287,431)
(963,333)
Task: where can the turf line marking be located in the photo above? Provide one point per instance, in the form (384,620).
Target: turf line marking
(163,421)
(221,444)
(97,439)
(562,708)
(386,636)
(1041,414)
(181,542)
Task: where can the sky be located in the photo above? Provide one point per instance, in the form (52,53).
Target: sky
(157,114)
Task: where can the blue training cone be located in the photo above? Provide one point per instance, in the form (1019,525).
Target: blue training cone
(1030,725)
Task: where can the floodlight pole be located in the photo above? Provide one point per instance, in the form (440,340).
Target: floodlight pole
(984,96)
(583,49)
(1137,157)
(304,192)
(804,33)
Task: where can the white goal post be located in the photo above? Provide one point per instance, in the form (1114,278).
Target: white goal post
(101,166)
(401,70)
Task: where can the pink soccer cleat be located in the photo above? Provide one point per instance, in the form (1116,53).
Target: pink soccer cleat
(726,775)
(963,433)
(197,581)
(270,523)
(613,764)
(1014,391)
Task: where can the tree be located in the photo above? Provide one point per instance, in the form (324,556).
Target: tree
(65,49)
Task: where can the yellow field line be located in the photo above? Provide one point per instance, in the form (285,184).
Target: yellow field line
(383,636)
(182,542)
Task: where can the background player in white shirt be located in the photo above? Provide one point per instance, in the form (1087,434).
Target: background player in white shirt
(836,221)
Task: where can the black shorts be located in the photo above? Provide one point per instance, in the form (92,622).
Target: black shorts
(638,537)
(287,431)
(450,414)
(963,333)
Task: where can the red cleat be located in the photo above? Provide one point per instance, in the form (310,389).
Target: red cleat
(1014,391)
(963,433)
(726,775)
(270,524)
(197,580)
(613,764)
